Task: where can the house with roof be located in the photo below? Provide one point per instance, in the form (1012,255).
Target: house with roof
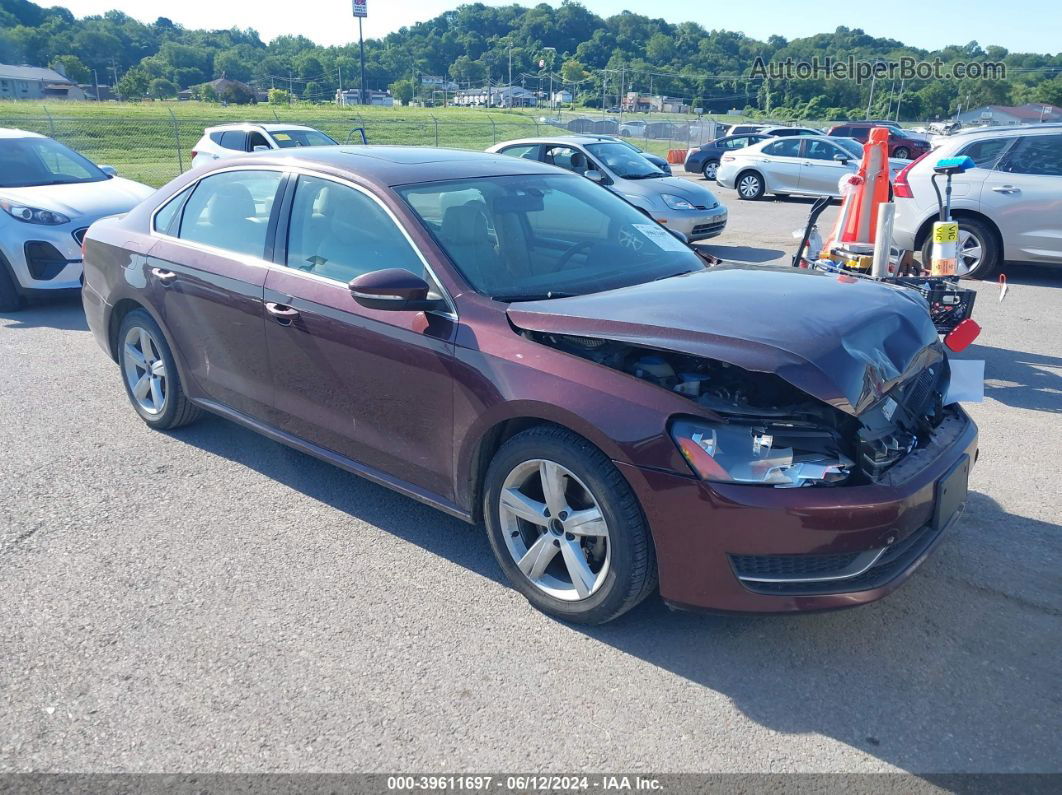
(1029,113)
(36,83)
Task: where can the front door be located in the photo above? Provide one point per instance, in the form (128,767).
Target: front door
(821,172)
(780,163)
(205,279)
(1024,197)
(374,386)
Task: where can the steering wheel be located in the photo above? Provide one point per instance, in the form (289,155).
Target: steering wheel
(571,252)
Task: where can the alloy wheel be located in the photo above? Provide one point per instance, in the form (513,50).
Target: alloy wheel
(968,252)
(145,370)
(710,169)
(902,154)
(554,530)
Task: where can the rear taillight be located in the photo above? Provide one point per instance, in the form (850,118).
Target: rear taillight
(901,189)
(194,153)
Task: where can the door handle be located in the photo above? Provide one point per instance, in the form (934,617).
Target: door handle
(284,315)
(1006,189)
(166,277)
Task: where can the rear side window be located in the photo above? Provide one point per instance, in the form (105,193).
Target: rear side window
(231,211)
(340,233)
(787,147)
(528,152)
(1036,154)
(842,131)
(166,219)
(234,139)
(986,154)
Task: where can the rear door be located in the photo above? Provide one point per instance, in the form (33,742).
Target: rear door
(1023,196)
(206,276)
(374,386)
(781,165)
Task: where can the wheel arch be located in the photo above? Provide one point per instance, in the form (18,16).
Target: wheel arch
(479,452)
(752,170)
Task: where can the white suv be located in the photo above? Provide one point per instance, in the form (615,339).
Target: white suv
(232,140)
(1007,207)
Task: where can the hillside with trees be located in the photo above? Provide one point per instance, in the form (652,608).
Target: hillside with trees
(472,44)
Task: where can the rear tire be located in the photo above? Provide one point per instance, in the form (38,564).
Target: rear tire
(150,375)
(612,554)
(710,169)
(975,236)
(902,153)
(749,186)
(10,298)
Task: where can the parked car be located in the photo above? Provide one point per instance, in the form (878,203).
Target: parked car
(632,128)
(233,140)
(49,194)
(656,160)
(807,165)
(748,129)
(508,342)
(705,159)
(1008,206)
(781,131)
(902,144)
(684,207)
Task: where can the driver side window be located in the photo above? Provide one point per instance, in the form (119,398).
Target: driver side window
(822,150)
(787,147)
(568,158)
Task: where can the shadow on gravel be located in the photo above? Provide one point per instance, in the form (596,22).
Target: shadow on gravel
(65,314)
(1021,380)
(949,673)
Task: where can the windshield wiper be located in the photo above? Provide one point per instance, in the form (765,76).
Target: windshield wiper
(647,176)
(512,299)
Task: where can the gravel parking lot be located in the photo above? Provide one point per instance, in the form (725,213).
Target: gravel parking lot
(209,600)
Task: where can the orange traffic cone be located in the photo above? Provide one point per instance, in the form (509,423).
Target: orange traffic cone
(861,193)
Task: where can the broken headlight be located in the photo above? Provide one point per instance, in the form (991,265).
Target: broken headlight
(751,453)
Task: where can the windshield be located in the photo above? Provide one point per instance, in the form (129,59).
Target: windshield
(288,138)
(528,237)
(624,162)
(29,162)
(851,145)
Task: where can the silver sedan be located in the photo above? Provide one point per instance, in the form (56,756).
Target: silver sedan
(809,165)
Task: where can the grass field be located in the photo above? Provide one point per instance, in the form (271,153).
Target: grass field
(151,142)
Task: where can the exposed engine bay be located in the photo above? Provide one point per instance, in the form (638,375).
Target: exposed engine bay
(787,438)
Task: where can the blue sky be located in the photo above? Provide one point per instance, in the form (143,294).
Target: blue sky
(1022,25)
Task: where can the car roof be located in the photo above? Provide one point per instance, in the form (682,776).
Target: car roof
(267,126)
(557,139)
(1020,129)
(396,165)
(13,132)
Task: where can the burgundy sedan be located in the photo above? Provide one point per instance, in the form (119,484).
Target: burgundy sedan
(511,344)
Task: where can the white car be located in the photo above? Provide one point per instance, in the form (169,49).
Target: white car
(233,140)
(49,195)
(1007,206)
(808,165)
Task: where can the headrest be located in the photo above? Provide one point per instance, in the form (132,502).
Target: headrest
(465,224)
(232,203)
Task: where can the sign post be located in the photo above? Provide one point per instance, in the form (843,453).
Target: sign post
(360,12)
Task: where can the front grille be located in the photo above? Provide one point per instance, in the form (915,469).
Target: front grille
(79,235)
(700,229)
(891,563)
(783,566)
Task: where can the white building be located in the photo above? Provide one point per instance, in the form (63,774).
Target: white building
(499,97)
(1030,113)
(349,96)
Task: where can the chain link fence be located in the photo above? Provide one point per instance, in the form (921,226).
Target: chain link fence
(156,148)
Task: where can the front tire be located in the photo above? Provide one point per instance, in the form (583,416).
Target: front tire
(149,374)
(902,153)
(10,298)
(749,186)
(566,528)
(978,251)
(710,170)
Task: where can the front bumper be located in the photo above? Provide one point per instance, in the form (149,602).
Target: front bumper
(695,224)
(736,548)
(44,257)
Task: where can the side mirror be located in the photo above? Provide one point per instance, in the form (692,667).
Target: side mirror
(260,148)
(842,159)
(394,289)
(110,171)
(595,176)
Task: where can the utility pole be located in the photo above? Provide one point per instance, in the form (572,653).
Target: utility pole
(96,80)
(549,65)
(290,88)
(361,46)
(899,98)
(510,66)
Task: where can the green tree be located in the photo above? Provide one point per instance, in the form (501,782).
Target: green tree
(73,68)
(573,71)
(278,96)
(402,90)
(134,84)
(161,88)
(312,91)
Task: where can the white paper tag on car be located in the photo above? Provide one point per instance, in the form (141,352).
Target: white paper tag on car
(661,237)
(967,381)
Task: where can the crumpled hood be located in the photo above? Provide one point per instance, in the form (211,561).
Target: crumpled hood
(85,200)
(844,340)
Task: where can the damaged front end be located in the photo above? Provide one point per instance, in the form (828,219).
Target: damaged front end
(762,430)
